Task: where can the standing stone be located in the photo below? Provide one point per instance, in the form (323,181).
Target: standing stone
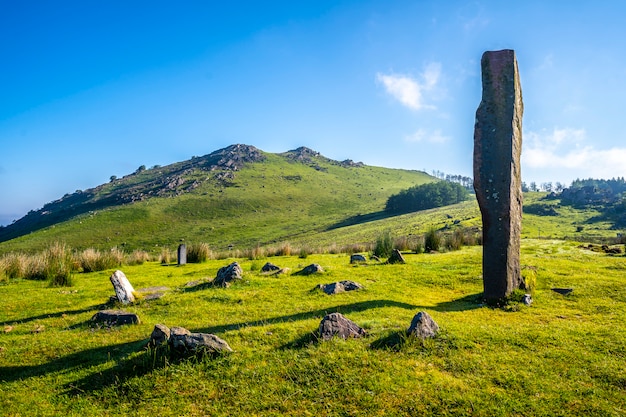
(497,174)
(123,290)
(423,326)
(182,254)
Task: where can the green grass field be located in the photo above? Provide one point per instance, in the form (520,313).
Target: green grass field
(562,356)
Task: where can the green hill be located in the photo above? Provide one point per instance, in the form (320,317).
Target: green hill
(238,196)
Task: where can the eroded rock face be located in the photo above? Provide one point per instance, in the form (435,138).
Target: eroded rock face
(184,342)
(423,326)
(335,324)
(497,173)
(227,274)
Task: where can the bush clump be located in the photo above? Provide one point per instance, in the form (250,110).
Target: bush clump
(384,245)
(198,253)
(432,241)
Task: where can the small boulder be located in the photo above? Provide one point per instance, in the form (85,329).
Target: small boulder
(270,267)
(423,326)
(115,317)
(183,341)
(311,269)
(356,258)
(335,324)
(227,274)
(396,257)
(338,287)
(527,299)
(160,335)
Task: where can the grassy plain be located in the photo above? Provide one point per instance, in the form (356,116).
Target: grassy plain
(562,356)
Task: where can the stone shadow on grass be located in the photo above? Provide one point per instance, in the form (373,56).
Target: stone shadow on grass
(81,360)
(52,315)
(468,302)
(342,308)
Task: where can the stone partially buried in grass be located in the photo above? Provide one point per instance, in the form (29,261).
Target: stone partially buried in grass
(185,343)
(115,317)
(335,324)
(338,287)
(311,269)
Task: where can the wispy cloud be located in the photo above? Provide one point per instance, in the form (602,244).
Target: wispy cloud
(567,150)
(422,135)
(410,91)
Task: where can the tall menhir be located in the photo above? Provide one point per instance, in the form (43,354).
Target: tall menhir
(497,173)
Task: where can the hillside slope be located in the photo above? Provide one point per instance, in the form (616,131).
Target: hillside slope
(239,196)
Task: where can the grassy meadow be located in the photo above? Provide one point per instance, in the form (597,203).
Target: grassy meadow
(562,356)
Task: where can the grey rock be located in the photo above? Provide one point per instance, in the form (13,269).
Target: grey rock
(183,341)
(182,254)
(527,299)
(227,274)
(357,258)
(115,317)
(310,269)
(339,287)
(335,324)
(160,335)
(270,267)
(124,291)
(396,257)
(497,173)
(423,326)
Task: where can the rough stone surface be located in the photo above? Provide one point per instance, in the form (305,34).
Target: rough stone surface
(123,290)
(527,299)
(115,317)
(497,172)
(396,257)
(270,267)
(335,324)
(341,286)
(423,326)
(182,254)
(310,269)
(227,274)
(160,335)
(183,341)
(357,258)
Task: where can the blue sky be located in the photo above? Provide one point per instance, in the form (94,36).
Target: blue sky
(92,89)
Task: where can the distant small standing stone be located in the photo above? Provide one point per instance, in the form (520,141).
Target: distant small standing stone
(423,326)
(335,324)
(182,254)
(123,290)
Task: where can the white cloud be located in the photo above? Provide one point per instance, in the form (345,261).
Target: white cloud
(422,135)
(566,151)
(410,91)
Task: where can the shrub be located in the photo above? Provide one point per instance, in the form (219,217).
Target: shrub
(58,265)
(529,277)
(432,241)
(15,265)
(166,256)
(198,253)
(138,257)
(92,260)
(455,240)
(384,245)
